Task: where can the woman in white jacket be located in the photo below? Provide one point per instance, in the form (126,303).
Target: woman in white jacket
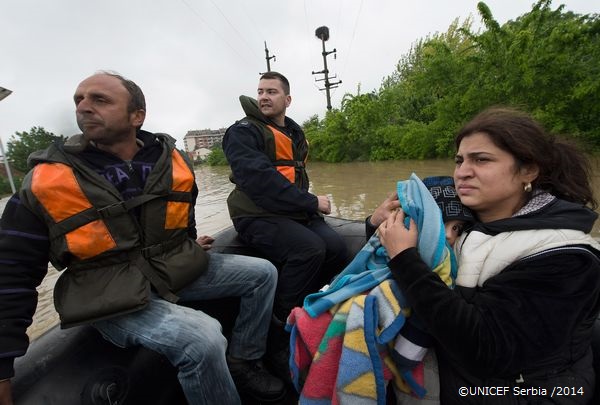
(528,286)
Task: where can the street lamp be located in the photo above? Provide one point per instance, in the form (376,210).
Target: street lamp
(3,94)
(323,34)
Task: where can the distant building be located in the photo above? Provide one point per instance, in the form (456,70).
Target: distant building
(203,138)
(199,154)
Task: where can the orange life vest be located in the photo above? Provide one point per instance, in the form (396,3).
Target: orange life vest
(284,158)
(111,254)
(57,189)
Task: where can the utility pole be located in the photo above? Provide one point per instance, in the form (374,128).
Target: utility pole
(5,93)
(323,34)
(268,58)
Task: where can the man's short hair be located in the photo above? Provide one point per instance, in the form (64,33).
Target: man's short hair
(137,101)
(278,76)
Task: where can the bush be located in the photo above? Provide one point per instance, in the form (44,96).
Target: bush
(5,188)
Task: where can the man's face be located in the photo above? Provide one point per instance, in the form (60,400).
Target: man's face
(101,108)
(272,100)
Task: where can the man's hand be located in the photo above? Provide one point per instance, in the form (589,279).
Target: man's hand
(205,241)
(5,393)
(385,209)
(324,204)
(394,236)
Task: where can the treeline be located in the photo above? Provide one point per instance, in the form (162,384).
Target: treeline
(546,62)
(20,146)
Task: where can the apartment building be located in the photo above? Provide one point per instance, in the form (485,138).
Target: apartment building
(202,138)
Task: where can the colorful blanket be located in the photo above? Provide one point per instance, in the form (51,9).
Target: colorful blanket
(347,342)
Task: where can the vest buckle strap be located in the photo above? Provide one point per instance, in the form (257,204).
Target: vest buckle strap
(294,163)
(162,247)
(154,250)
(152,276)
(112,210)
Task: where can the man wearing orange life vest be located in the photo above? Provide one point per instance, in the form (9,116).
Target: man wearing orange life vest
(114,209)
(271,207)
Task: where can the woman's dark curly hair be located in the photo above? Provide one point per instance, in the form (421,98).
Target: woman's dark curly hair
(564,170)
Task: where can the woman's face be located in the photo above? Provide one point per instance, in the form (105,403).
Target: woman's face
(487,179)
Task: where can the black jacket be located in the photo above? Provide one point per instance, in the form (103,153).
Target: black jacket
(530,323)
(254,173)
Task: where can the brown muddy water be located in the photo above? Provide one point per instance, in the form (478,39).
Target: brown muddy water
(355,190)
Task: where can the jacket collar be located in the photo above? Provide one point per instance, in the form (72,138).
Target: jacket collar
(544,211)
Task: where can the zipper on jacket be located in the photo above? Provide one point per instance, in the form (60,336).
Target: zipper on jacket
(129,166)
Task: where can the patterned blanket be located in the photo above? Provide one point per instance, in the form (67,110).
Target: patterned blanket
(349,341)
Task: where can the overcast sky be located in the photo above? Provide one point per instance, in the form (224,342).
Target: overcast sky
(193,58)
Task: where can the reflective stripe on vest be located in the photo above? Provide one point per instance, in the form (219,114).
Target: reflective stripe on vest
(63,200)
(284,151)
(183,181)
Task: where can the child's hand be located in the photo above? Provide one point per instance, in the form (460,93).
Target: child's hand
(395,237)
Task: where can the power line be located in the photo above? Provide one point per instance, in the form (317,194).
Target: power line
(339,17)
(234,28)
(352,38)
(214,31)
(308,35)
(256,26)
(339,26)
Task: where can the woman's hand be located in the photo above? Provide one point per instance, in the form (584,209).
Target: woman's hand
(395,237)
(382,213)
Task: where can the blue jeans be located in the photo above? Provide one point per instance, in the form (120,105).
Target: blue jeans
(192,340)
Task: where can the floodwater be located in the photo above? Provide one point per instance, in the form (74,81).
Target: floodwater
(355,190)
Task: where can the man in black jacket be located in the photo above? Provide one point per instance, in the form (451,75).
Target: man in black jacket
(271,207)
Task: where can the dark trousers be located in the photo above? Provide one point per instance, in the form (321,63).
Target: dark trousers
(308,255)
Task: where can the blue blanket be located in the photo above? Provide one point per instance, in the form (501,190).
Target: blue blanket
(369,266)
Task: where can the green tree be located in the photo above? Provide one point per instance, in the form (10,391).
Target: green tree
(22,144)
(5,188)
(544,62)
(216,157)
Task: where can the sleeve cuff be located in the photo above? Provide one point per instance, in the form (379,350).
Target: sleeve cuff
(7,368)
(407,267)
(369,227)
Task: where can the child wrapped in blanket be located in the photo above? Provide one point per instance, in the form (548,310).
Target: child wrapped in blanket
(319,324)
(456,218)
